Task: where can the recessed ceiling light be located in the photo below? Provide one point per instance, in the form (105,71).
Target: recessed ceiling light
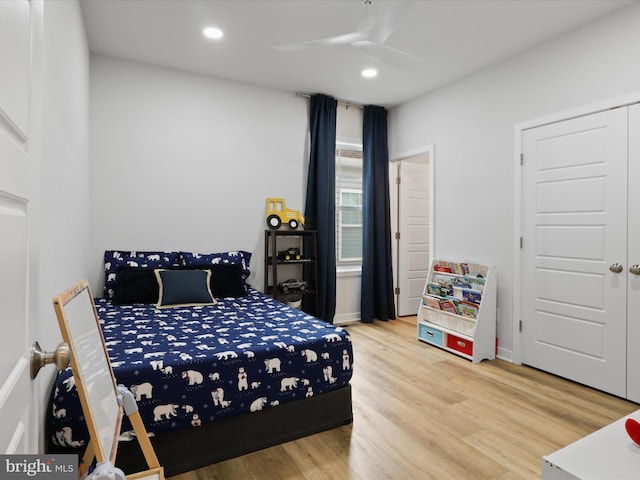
(369,72)
(213,32)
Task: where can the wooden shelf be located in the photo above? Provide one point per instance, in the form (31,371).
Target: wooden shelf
(304,268)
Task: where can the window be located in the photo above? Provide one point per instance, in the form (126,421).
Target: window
(348,205)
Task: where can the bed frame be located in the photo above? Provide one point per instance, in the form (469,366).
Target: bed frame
(193,448)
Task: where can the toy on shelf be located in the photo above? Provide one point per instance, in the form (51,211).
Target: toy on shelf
(278,213)
(293,286)
(291,253)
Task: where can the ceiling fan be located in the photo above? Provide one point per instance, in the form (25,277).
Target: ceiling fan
(379,22)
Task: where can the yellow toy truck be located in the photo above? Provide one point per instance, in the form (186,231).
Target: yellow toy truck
(278,213)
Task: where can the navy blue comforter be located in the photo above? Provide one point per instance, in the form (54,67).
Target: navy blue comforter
(187,366)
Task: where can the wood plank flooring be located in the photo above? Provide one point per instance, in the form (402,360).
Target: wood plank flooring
(422,413)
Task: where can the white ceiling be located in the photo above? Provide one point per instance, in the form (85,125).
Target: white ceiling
(452,39)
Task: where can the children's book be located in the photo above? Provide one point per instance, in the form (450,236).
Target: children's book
(455,300)
(472,296)
(477,283)
(476,271)
(448,306)
(443,279)
(434,289)
(441,267)
(446,289)
(468,309)
(462,282)
(431,301)
(457,268)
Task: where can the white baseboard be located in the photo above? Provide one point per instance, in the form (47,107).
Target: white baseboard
(346,318)
(505,354)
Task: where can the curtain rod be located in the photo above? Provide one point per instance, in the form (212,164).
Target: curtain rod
(343,102)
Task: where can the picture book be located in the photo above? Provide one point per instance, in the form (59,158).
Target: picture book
(443,279)
(468,309)
(454,299)
(472,296)
(441,267)
(434,289)
(476,270)
(448,306)
(446,289)
(477,283)
(462,283)
(451,267)
(431,301)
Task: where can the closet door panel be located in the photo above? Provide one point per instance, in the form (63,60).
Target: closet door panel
(633,283)
(574,226)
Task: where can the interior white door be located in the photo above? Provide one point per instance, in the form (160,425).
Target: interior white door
(18,426)
(413,225)
(575,231)
(633,258)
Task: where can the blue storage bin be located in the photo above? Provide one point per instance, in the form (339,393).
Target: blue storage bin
(430,334)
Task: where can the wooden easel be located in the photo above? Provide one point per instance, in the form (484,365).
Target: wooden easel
(103,402)
(155,471)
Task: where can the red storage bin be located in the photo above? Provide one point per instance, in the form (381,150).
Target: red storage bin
(459,344)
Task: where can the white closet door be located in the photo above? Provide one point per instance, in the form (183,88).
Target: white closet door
(575,228)
(633,285)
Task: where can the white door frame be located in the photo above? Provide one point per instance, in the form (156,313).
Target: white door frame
(519,128)
(430,151)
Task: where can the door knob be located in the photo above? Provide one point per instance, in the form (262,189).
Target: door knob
(40,358)
(635,269)
(615,267)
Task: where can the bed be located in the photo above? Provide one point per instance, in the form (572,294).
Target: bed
(218,368)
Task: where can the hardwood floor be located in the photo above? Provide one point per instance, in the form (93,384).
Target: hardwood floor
(422,413)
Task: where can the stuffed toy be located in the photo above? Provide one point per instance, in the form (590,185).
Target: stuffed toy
(633,429)
(106,471)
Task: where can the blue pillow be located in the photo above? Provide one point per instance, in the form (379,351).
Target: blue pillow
(115,260)
(184,288)
(226,279)
(135,285)
(192,259)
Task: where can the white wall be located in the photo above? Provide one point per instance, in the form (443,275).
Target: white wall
(62,230)
(185,162)
(471,124)
(65,157)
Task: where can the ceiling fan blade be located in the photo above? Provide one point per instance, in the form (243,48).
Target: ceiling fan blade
(345,39)
(391,56)
(387,18)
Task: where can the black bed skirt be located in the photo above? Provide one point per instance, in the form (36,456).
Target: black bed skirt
(192,448)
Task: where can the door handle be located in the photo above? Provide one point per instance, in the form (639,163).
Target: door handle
(635,269)
(40,358)
(616,268)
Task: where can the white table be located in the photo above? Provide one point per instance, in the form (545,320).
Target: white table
(607,454)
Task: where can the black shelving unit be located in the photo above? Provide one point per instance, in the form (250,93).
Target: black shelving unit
(306,241)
